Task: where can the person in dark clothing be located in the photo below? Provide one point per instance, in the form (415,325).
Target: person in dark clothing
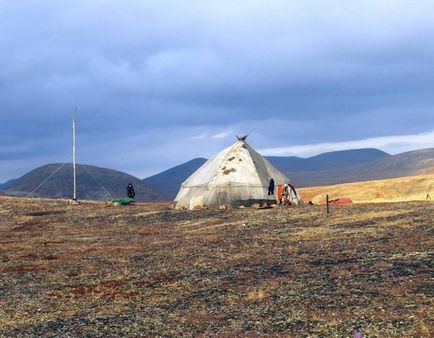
(271,188)
(130,191)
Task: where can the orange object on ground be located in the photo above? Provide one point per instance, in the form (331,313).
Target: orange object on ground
(338,201)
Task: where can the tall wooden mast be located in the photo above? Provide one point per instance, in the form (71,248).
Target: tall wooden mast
(73,156)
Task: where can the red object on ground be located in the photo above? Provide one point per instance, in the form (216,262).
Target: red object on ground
(341,201)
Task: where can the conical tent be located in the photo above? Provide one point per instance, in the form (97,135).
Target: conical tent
(238,175)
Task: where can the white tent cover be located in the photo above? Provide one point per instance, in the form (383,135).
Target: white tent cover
(236,175)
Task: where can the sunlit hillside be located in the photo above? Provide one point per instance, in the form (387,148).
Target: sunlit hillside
(411,188)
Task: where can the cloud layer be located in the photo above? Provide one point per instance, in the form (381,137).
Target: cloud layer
(157,83)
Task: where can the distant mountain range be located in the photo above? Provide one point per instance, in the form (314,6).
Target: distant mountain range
(330,160)
(406,164)
(92,183)
(325,169)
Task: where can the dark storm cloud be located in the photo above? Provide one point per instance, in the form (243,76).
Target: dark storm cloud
(152,78)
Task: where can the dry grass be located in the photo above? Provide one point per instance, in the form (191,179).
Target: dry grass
(97,270)
(411,188)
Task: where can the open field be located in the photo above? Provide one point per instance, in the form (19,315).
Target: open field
(95,270)
(410,188)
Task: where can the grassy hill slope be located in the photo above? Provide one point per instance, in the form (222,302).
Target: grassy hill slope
(413,188)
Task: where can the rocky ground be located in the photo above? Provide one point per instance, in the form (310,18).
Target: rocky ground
(95,270)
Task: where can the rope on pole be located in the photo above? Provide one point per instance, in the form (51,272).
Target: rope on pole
(49,176)
(96,181)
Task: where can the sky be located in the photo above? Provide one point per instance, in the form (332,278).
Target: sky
(157,83)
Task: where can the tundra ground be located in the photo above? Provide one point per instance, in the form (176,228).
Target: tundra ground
(96,270)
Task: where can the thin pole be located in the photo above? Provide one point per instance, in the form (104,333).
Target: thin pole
(327,201)
(73,157)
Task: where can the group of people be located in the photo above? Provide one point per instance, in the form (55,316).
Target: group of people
(284,192)
(288,191)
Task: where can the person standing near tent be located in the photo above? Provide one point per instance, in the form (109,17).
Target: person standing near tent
(283,194)
(271,187)
(286,195)
(130,191)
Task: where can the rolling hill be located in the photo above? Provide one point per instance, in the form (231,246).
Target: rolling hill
(411,163)
(168,182)
(92,183)
(6,185)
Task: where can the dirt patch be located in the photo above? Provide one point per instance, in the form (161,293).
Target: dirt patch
(44,212)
